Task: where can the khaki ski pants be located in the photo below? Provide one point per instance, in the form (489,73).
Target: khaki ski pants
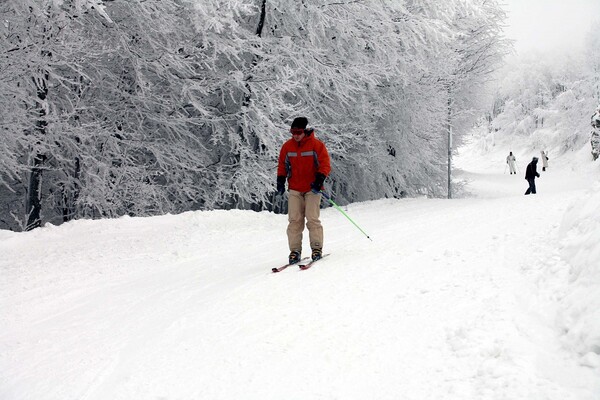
(300,206)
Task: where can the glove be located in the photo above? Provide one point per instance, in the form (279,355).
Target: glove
(280,184)
(317,185)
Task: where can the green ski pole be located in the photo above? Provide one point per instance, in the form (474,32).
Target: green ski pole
(345,215)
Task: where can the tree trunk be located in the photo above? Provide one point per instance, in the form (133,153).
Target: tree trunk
(449,129)
(33,204)
(261,21)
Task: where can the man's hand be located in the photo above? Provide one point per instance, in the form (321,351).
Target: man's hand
(317,185)
(280,185)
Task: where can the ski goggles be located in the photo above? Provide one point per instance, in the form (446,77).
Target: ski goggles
(297,131)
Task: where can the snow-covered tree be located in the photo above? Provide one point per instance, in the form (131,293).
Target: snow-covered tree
(106,119)
(155,106)
(548,99)
(38,57)
(473,57)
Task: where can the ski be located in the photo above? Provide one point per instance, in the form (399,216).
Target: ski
(306,266)
(287,265)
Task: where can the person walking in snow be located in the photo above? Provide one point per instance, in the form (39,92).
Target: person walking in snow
(304,162)
(595,134)
(530,174)
(510,160)
(544,160)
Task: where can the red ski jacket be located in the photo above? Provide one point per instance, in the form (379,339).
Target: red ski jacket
(300,161)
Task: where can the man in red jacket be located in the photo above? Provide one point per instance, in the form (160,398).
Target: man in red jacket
(304,161)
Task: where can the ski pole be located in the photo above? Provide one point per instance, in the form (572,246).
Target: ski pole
(345,215)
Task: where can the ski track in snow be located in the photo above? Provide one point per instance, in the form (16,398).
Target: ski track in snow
(451,300)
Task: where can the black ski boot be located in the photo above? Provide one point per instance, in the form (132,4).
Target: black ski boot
(316,254)
(294,257)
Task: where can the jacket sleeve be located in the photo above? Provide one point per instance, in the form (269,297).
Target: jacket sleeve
(281,170)
(324,161)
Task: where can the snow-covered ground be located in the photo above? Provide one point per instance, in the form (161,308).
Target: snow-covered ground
(491,296)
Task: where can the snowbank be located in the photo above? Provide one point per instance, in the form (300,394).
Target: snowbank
(580,241)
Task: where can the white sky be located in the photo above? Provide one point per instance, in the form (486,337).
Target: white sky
(550,24)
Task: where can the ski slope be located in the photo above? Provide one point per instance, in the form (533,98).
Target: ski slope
(470,298)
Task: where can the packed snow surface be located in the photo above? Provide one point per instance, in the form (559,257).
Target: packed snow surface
(494,295)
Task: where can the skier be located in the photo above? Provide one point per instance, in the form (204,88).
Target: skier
(530,174)
(544,160)
(304,161)
(595,134)
(510,160)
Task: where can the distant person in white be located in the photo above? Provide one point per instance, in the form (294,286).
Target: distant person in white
(544,160)
(510,160)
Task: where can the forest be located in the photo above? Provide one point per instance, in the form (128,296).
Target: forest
(148,107)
